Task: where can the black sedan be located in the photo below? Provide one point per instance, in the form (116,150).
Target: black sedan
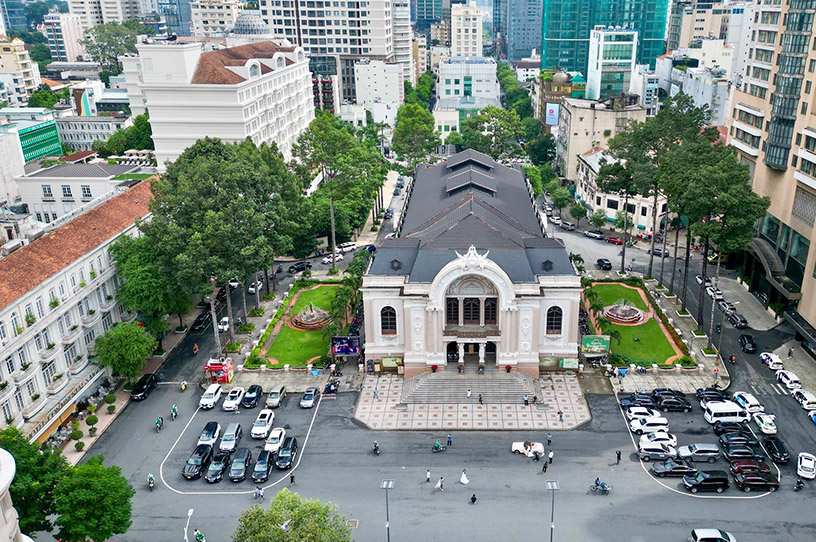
(251,397)
(673,468)
(262,466)
(741,451)
(668,403)
(198,462)
(202,321)
(747,343)
(240,464)
(637,399)
(730,427)
(776,449)
(747,481)
(143,387)
(603,264)
(218,466)
(738,438)
(661,392)
(701,392)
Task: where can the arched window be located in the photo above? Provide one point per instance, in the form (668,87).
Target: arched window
(554,317)
(388,321)
(490,310)
(452,311)
(15,324)
(3,333)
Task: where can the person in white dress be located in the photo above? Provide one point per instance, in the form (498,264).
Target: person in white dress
(464,479)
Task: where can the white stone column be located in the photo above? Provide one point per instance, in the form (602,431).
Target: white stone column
(461,346)
(481,311)
(482,347)
(461,311)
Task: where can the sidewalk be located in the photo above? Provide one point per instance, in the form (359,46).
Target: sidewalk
(368,237)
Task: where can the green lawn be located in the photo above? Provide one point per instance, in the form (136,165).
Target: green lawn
(296,347)
(612,293)
(133,176)
(653,345)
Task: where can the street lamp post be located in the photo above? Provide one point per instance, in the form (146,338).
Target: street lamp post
(187,527)
(552,485)
(386,485)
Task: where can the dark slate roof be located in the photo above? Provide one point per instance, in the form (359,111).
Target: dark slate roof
(470,200)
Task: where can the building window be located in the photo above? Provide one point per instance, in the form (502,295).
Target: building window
(554,320)
(470,308)
(6,411)
(388,321)
(10,366)
(18,399)
(69,350)
(66,191)
(490,311)
(46,189)
(31,387)
(3,333)
(86,191)
(48,372)
(89,337)
(452,311)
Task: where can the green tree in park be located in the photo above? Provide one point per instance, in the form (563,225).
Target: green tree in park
(455,139)
(93,502)
(578,211)
(541,150)
(125,348)
(561,198)
(415,137)
(493,131)
(291,517)
(105,43)
(37,472)
(597,218)
(139,137)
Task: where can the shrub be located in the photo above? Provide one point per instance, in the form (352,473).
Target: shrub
(233,347)
(54,303)
(25,366)
(253,362)
(30,319)
(111,408)
(35,396)
(79,446)
(258,311)
(82,284)
(93,274)
(246,328)
(686,361)
(710,351)
(110,398)
(92,431)
(92,420)
(307,273)
(333,271)
(75,425)
(56,377)
(3,385)
(374,228)
(77,434)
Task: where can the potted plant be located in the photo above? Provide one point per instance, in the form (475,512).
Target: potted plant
(54,303)
(507,368)
(35,396)
(57,377)
(109,400)
(30,319)
(434,368)
(93,274)
(25,366)
(108,297)
(91,312)
(82,284)
(91,421)
(19,330)
(3,385)
(50,346)
(8,421)
(79,446)
(73,327)
(78,357)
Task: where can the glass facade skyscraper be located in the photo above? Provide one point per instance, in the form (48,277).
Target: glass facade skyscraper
(566,25)
(523,28)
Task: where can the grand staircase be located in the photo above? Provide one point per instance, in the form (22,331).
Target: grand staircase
(451,387)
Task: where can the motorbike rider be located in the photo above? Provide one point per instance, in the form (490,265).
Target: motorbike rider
(437,445)
(183,385)
(150,479)
(174,411)
(159,422)
(376,446)
(198,536)
(799,484)
(603,486)
(195,349)
(597,481)
(733,358)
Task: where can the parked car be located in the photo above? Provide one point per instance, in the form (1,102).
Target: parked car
(649,425)
(397,191)
(806,466)
(603,264)
(788,379)
(707,480)
(594,234)
(309,397)
(636,412)
(202,321)
(255,286)
(146,384)
(742,451)
(556,220)
(726,307)
(275,440)
(262,424)
(615,240)
(276,395)
(747,401)
(328,259)
(240,464)
(711,535)
(747,343)
(772,361)
(218,466)
(737,320)
(569,226)
(663,392)
(251,397)
(714,293)
(232,436)
(776,449)
(749,465)
(234,283)
(527,448)
(389,214)
(262,467)
(700,280)
(233,399)
(637,399)
(738,438)
(765,423)
(659,252)
(748,481)
(223,324)
(297,267)
(668,403)
(198,462)
(348,246)
(700,392)
(659,438)
(673,468)
(210,434)
(287,453)
(806,399)
(699,452)
(210,397)
(656,451)
(730,427)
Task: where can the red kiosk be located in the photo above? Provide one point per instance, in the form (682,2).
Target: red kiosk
(221,371)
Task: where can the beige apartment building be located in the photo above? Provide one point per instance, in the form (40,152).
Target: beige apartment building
(18,72)
(772,128)
(212,18)
(466,29)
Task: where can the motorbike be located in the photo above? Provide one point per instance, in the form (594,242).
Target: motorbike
(183,385)
(331,387)
(441,448)
(376,449)
(150,484)
(799,485)
(158,426)
(603,490)
(173,415)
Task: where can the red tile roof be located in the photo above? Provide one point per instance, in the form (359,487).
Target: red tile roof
(26,268)
(212,67)
(77,156)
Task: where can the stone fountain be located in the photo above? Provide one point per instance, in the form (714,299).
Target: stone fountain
(313,318)
(623,313)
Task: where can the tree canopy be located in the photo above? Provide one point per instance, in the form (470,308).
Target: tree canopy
(415,137)
(105,43)
(291,517)
(493,131)
(125,348)
(516,97)
(421,95)
(139,136)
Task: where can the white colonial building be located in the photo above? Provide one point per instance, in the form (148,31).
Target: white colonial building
(260,91)
(58,294)
(470,278)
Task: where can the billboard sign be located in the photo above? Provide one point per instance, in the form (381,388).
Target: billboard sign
(346,346)
(551,114)
(595,344)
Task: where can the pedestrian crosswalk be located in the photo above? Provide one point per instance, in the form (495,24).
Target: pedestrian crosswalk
(768,388)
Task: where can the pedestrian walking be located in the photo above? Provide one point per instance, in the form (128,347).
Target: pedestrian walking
(440,484)
(161,376)
(561,416)
(716,373)
(535,398)
(550,456)
(549,439)
(544,467)
(617,456)
(292,479)
(464,479)
(526,401)
(473,499)
(255,494)
(535,457)
(376,393)
(261,493)
(480,399)
(468,393)
(428,475)
(790,352)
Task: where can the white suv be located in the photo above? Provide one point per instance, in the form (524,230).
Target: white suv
(788,379)
(649,425)
(805,398)
(263,424)
(211,396)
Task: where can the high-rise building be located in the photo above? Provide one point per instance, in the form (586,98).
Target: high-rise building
(349,34)
(214,17)
(177,15)
(64,32)
(380,88)
(612,53)
(466,29)
(523,28)
(96,12)
(500,13)
(19,74)
(402,39)
(13,15)
(771,127)
(566,25)
(427,12)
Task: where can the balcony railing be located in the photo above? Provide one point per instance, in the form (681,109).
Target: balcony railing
(78,364)
(90,319)
(22,375)
(48,354)
(71,334)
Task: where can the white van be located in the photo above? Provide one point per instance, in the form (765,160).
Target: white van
(345,247)
(210,397)
(805,398)
(725,411)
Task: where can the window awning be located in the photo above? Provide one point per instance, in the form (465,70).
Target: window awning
(774,269)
